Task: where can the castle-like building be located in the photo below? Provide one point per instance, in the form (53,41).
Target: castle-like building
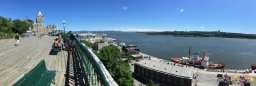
(38,26)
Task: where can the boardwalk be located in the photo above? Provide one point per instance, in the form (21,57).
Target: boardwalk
(15,61)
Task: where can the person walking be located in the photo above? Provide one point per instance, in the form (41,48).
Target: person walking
(17,39)
(5,37)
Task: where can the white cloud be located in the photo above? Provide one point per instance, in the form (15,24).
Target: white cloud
(124,8)
(202,27)
(181,10)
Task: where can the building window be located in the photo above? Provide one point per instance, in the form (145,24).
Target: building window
(138,69)
(152,74)
(147,72)
(157,75)
(163,78)
(142,71)
(181,82)
(169,79)
(174,80)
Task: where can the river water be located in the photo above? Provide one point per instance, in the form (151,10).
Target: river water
(235,53)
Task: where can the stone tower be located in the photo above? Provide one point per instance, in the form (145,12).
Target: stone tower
(40,19)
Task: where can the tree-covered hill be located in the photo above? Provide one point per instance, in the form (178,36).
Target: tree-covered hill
(204,34)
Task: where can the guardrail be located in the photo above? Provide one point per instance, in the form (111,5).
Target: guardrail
(93,70)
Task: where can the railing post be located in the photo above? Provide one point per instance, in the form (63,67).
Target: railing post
(67,70)
(74,67)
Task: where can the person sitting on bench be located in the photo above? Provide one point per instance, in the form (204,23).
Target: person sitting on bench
(67,45)
(56,43)
(60,41)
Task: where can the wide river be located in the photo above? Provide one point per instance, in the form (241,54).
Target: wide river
(235,53)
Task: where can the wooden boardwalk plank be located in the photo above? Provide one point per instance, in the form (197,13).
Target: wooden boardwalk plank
(15,61)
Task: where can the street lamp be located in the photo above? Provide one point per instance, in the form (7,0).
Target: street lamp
(64,27)
(54,32)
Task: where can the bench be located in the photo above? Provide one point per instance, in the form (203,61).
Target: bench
(56,49)
(39,75)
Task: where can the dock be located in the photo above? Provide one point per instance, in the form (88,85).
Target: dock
(15,61)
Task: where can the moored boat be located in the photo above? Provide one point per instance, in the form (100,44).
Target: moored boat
(197,61)
(182,60)
(194,60)
(216,65)
(253,66)
(175,59)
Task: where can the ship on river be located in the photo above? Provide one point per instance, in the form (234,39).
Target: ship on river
(197,61)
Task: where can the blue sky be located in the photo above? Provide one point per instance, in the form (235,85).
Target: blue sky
(139,15)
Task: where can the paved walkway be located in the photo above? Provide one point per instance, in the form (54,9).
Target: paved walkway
(15,61)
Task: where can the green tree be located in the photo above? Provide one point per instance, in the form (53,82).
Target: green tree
(88,44)
(111,57)
(5,25)
(94,46)
(20,26)
(151,83)
(30,21)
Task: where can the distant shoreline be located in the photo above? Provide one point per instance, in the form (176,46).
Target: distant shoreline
(203,34)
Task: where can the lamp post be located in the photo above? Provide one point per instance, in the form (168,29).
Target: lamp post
(54,32)
(64,26)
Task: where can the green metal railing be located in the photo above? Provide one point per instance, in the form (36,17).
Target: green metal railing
(93,70)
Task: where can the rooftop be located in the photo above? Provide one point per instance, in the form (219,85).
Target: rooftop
(167,68)
(39,14)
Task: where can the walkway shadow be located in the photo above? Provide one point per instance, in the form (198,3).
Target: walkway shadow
(53,52)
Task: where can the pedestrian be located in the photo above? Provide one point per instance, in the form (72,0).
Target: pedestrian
(69,47)
(17,39)
(59,36)
(72,37)
(61,42)
(77,35)
(5,37)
